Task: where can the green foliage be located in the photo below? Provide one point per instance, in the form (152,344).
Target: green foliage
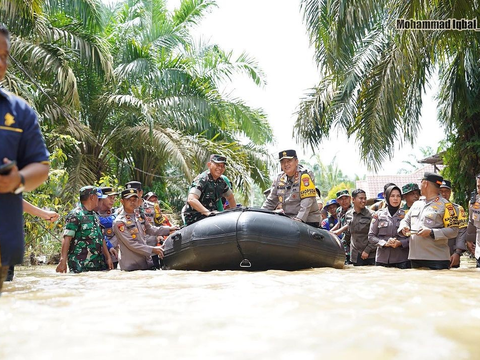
(374,76)
(463,159)
(328,176)
(332,194)
(125,93)
(42,237)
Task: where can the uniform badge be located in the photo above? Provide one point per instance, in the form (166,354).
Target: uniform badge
(121,227)
(109,231)
(9,119)
(306,181)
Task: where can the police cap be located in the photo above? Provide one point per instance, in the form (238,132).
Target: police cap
(446,184)
(133,185)
(287,154)
(218,159)
(149,195)
(107,190)
(128,193)
(432,177)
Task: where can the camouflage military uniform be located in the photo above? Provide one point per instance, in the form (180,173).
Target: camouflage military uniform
(85,251)
(346,236)
(209,192)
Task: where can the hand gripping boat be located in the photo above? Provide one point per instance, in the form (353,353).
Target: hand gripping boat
(251,239)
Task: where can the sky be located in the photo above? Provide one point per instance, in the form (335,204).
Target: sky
(272,32)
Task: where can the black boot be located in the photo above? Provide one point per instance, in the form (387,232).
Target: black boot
(10,273)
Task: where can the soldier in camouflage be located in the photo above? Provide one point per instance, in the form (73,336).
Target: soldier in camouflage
(83,245)
(206,190)
(341,228)
(410,194)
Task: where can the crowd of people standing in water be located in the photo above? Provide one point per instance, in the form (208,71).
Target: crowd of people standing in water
(411,227)
(414,226)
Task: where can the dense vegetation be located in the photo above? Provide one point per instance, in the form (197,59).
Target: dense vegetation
(126,92)
(374,76)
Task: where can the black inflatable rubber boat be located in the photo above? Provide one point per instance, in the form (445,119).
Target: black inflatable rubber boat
(251,239)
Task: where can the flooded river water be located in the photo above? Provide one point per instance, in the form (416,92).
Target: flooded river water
(370,312)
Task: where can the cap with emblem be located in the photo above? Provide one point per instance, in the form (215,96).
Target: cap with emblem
(287,154)
(342,193)
(432,177)
(218,159)
(107,190)
(133,185)
(408,188)
(446,184)
(128,193)
(149,195)
(92,190)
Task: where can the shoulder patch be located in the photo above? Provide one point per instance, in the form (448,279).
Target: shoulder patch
(307,187)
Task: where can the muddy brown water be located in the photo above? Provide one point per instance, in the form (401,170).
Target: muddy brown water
(369,312)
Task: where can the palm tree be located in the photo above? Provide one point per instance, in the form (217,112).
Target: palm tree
(167,95)
(374,76)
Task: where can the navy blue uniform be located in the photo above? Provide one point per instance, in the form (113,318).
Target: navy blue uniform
(22,141)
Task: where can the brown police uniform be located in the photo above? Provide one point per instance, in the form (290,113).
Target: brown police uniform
(473,229)
(437,214)
(131,231)
(296,196)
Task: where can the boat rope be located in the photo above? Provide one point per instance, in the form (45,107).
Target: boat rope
(245,263)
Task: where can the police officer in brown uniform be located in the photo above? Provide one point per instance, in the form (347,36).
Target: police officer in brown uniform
(457,244)
(473,229)
(293,191)
(131,227)
(431,221)
(362,252)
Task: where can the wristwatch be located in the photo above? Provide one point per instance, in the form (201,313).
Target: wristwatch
(20,186)
(432,234)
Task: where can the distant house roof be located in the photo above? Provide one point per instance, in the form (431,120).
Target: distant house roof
(373,184)
(435,160)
